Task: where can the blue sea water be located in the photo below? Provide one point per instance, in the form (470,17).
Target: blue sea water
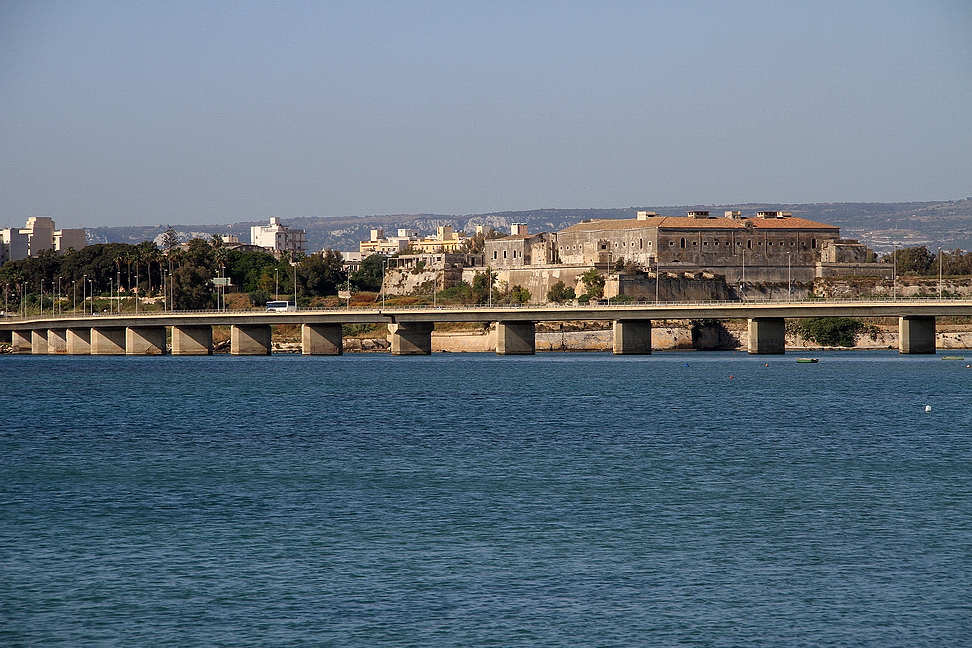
(705,499)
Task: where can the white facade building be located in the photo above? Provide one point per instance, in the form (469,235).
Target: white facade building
(278,237)
(38,234)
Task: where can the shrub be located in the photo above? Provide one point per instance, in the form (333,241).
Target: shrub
(559,293)
(832,331)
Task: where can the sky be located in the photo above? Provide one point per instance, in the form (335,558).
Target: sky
(173,112)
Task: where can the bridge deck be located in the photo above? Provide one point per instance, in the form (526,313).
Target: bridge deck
(641,311)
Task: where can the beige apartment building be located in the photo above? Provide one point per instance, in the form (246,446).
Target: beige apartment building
(38,234)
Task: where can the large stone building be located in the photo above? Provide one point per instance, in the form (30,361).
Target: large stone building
(772,246)
(37,235)
(521,249)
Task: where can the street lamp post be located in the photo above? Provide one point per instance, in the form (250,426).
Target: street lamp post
(384,272)
(84,295)
(939,273)
(789,280)
(742,286)
(894,274)
(60,306)
(657,280)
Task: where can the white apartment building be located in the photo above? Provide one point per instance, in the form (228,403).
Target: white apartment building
(278,237)
(38,234)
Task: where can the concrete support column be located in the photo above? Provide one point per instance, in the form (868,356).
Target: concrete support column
(516,338)
(79,341)
(57,341)
(38,342)
(767,335)
(632,337)
(21,342)
(108,340)
(916,334)
(322,339)
(411,338)
(250,339)
(145,340)
(192,340)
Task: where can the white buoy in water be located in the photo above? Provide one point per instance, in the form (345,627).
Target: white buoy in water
(927,408)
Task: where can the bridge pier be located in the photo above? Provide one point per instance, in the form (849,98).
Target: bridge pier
(632,337)
(108,340)
(21,341)
(57,341)
(79,341)
(145,340)
(192,339)
(38,341)
(411,338)
(916,334)
(322,339)
(250,339)
(516,338)
(767,335)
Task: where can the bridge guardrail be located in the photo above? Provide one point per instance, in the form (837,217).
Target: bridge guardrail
(605,304)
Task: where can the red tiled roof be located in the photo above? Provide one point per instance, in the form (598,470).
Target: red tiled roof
(685,222)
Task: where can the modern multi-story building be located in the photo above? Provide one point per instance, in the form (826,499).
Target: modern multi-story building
(37,235)
(278,237)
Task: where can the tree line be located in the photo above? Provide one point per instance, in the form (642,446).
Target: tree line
(921,261)
(184,277)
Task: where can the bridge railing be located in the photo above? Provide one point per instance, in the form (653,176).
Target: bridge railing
(592,305)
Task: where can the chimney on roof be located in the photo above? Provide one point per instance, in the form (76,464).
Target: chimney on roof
(645,215)
(773,214)
(518,229)
(733,214)
(698,214)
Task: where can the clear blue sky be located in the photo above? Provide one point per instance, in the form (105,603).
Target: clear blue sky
(115,113)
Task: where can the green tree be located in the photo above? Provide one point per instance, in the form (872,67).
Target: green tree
(482,287)
(520,295)
(559,293)
(370,273)
(192,274)
(320,274)
(911,261)
(593,282)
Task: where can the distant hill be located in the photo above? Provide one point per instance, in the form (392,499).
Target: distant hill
(881,226)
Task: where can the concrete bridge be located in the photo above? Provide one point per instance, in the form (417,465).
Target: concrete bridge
(410,328)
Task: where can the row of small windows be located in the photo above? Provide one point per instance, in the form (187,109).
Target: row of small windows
(683,243)
(641,246)
(749,243)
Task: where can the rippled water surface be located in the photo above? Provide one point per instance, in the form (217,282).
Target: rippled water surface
(475,500)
